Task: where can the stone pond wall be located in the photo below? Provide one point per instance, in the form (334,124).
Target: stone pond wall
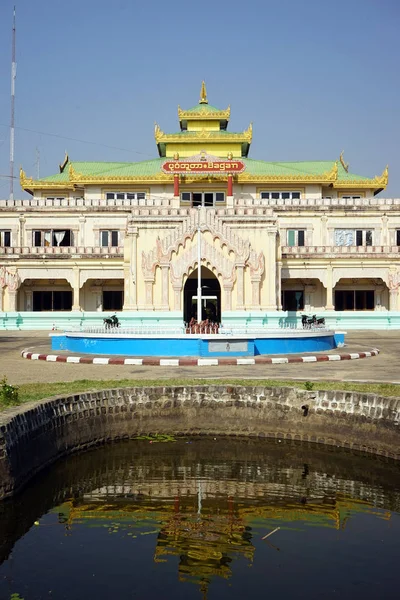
(34,435)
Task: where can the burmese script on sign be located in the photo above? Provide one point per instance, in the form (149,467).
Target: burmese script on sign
(203,167)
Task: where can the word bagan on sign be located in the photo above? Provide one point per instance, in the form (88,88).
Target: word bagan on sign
(228,166)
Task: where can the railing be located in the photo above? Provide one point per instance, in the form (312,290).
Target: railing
(58,250)
(83,202)
(341,250)
(239,201)
(305,202)
(154,330)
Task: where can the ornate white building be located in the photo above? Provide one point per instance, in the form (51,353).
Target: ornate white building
(276,239)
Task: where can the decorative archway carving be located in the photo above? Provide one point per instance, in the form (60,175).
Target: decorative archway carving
(229,270)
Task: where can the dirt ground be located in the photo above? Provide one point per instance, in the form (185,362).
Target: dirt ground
(382,368)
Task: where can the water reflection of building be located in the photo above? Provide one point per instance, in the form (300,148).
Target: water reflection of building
(209,532)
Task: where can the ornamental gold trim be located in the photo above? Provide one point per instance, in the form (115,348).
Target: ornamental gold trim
(204,134)
(204,114)
(28,183)
(328,177)
(379,181)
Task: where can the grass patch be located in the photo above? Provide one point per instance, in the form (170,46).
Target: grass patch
(28,392)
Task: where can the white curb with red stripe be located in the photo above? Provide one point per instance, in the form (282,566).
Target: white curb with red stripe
(195,362)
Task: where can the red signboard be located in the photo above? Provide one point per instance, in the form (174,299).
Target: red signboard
(217,166)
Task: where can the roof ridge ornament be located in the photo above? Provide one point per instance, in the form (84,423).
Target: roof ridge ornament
(344,165)
(203,93)
(64,163)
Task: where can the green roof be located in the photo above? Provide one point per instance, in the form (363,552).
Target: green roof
(153,167)
(203,108)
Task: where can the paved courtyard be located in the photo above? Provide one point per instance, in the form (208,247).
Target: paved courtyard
(383,368)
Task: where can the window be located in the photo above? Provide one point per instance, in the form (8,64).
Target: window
(126,195)
(292,300)
(354,300)
(351,197)
(397,237)
(113,300)
(56,198)
(5,237)
(203,198)
(52,300)
(52,237)
(353,237)
(295,237)
(109,238)
(280,195)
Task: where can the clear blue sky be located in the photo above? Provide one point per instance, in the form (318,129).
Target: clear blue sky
(314,77)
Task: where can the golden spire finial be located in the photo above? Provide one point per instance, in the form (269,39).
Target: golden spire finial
(203,93)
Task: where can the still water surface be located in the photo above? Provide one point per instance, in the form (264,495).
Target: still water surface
(186,520)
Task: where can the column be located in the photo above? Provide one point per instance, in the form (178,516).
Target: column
(229,193)
(309,297)
(227,296)
(28,300)
(75,291)
(130,267)
(165,287)
(270,268)
(393,295)
(12,300)
(13,282)
(329,289)
(97,291)
(240,286)
(148,283)
(21,240)
(378,297)
(1,298)
(176,185)
(279,284)
(177,297)
(255,292)
(230,185)
(81,235)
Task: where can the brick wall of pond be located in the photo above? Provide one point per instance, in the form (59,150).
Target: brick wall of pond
(33,436)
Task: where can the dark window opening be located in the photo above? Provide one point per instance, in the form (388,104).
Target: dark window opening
(354,300)
(5,238)
(52,237)
(52,300)
(397,237)
(113,300)
(196,199)
(109,238)
(292,300)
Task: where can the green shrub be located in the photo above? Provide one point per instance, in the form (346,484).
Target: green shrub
(308,385)
(8,393)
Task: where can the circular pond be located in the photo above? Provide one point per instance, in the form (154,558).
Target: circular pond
(204,518)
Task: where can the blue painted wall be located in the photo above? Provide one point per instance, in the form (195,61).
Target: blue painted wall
(162,347)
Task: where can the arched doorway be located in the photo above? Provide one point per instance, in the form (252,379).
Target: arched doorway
(211,296)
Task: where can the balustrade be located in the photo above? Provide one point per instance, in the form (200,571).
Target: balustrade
(240,201)
(64,250)
(321,250)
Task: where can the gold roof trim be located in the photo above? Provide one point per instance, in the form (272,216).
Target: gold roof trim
(28,183)
(379,181)
(204,134)
(327,177)
(204,114)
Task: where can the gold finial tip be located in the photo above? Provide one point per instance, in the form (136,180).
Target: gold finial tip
(203,93)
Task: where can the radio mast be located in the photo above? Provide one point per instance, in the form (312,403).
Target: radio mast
(13,76)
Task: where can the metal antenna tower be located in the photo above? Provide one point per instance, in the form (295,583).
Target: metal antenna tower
(13,76)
